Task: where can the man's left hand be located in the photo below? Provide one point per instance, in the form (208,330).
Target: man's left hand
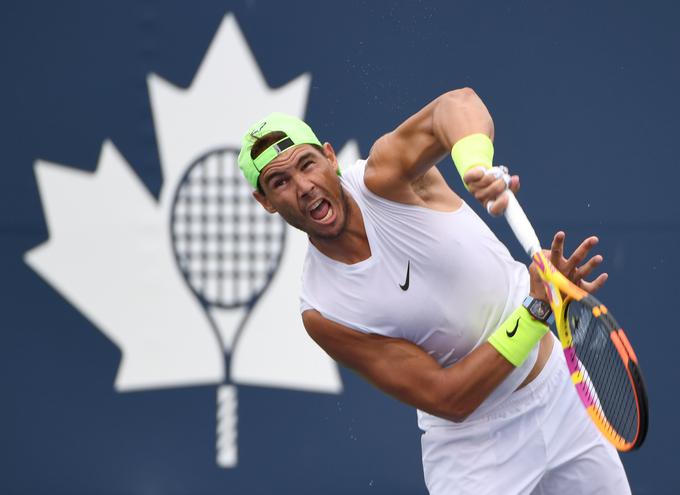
(572,267)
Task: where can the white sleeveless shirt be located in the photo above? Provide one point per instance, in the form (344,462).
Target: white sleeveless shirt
(441,280)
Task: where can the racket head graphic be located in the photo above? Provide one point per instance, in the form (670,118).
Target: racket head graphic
(226,245)
(228,249)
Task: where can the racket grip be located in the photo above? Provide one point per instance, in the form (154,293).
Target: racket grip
(520,225)
(514,214)
(227,420)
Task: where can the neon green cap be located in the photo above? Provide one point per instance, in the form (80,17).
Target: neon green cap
(296,131)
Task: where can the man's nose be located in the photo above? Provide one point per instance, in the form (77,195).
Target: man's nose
(304,185)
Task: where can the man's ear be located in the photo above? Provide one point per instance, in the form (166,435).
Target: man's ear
(329,153)
(262,199)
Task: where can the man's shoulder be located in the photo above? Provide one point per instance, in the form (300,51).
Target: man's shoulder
(354,170)
(352,178)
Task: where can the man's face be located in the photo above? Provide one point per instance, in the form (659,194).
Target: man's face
(302,185)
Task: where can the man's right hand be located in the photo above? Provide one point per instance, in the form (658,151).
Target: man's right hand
(486,187)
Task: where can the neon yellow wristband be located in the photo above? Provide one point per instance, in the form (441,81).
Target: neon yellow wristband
(475,150)
(517,335)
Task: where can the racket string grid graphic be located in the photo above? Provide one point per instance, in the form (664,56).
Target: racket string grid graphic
(228,249)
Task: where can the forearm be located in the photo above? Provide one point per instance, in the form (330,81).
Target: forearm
(452,393)
(470,381)
(406,372)
(410,375)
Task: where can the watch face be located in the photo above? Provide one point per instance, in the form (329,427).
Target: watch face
(540,309)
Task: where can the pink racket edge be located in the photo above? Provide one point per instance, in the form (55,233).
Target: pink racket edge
(636,382)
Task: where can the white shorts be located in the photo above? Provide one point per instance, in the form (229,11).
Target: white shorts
(539,441)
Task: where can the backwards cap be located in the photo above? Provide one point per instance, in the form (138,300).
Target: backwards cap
(295,130)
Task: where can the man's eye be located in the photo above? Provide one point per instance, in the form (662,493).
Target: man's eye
(279,182)
(307,164)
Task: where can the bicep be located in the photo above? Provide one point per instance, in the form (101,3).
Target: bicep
(409,150)
(428,136)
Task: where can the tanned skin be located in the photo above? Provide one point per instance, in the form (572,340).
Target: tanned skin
(302,185)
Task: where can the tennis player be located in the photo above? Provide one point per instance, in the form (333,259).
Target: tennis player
(406,285)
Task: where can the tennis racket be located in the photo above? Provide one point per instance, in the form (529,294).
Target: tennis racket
(228,249)
(601,361)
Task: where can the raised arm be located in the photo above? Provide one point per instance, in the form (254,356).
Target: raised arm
(400,160)
(407,373)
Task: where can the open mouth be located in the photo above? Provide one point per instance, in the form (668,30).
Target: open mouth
(321,211)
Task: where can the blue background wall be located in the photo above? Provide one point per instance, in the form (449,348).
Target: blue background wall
(582,93)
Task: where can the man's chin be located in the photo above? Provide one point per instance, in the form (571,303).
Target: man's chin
(317,231)
(326,235)
(326,232)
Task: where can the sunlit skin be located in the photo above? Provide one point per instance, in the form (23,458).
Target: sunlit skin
(295,181)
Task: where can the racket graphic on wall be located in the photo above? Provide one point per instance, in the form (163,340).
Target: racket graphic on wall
(228,249)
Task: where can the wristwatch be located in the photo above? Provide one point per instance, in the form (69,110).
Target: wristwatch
(539,310)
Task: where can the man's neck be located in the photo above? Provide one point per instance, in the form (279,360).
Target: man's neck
(351,246)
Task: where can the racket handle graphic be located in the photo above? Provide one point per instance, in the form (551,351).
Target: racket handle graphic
(227,419)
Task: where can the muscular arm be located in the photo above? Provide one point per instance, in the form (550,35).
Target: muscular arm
(407,373)
(403,156)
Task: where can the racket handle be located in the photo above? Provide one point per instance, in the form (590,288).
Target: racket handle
(227,420)
(520,225)
(514,214)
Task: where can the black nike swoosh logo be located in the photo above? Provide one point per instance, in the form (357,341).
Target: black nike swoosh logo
(408,273)
(514,330)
